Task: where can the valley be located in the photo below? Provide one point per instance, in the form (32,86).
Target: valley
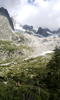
(29,61)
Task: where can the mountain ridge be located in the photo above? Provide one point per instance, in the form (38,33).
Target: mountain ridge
(6,25)
(41,32)
(28,44)
(4,12)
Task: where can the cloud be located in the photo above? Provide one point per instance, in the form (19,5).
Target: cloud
(9,3)
(39,13)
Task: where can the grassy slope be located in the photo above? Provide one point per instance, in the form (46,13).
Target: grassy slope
(14,61)
(14,50)
(14,67)
(23,71)
(30,67)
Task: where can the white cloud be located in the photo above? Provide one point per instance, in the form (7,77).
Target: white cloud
(41,3)
(57,6)
(39,13)
(26,12)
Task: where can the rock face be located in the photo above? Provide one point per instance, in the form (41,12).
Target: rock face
(6,25)
(46,32)
(58,31)
(30,28)
(43,32)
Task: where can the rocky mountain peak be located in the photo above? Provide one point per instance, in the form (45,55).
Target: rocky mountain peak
(58,30)
(30,28)
(6,25)
(43,32)
(5,13)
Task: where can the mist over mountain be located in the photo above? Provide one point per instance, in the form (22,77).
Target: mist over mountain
(41,32)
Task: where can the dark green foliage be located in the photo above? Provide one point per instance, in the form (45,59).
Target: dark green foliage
(45,85)
(21,93)
(52,78)
(54,63)
(44,95)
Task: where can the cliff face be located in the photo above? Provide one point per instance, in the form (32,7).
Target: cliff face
(43,32)
(6,24)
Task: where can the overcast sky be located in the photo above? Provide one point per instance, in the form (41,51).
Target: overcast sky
(39,13)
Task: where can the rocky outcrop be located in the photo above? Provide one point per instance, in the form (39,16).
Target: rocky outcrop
(58,30)
(5,13)
(30,28)
(43,32)
(6,25)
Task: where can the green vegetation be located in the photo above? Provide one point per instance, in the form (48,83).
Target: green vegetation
(11,52)
(52,78)
(33,79)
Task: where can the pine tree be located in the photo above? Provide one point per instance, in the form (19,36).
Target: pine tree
(53,76)
(54,64)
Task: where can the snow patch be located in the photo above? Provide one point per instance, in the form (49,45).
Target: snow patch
(49,32)
(47,52)
(5,64)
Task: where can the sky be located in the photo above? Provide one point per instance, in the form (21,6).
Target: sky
(38,13)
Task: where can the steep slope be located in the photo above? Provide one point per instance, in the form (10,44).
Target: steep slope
(6,25)
(11,43)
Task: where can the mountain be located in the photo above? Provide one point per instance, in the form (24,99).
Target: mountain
(23,40)
(44,32)
(6,24)
(41,32)
(21,68)
(58,31)
(30,28)
(17,45)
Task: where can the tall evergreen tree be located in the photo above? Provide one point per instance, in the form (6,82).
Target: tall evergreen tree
(54,64)
(53,76)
